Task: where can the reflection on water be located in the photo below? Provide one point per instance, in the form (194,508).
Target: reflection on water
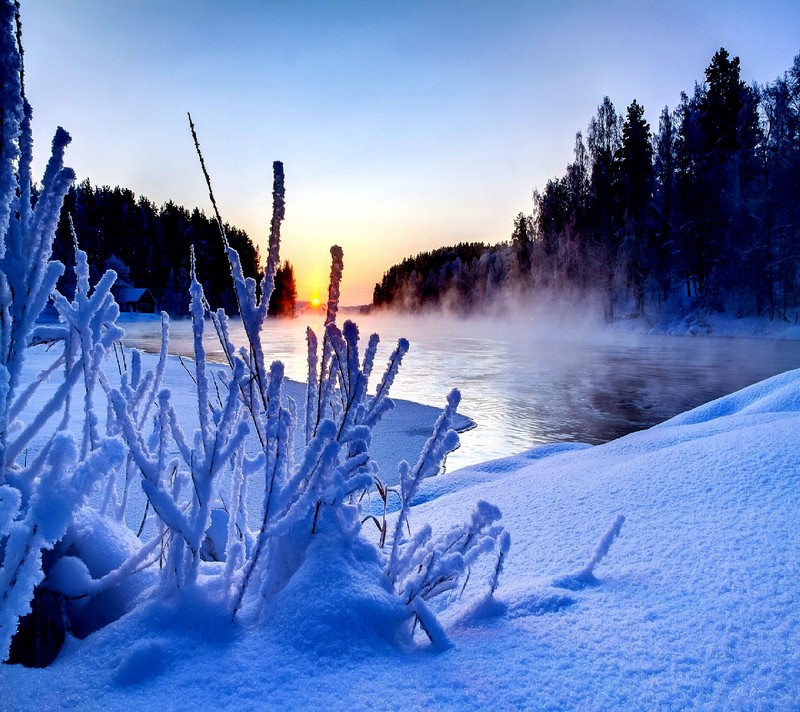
(524,383)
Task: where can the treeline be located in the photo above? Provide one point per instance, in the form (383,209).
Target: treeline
(449,273)
(702,214)
(148,246)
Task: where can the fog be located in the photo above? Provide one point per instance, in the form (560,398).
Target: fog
(533,377)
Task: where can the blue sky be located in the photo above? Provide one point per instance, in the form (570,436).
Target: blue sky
(403,126)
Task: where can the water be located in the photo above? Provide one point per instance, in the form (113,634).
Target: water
(524,382)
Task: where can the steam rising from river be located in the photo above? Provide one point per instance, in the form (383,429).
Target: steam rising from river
(534,374)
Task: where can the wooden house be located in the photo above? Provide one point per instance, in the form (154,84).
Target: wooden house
(137,300)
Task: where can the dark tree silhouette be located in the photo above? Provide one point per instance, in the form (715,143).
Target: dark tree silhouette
(634,161)
(703,216)
(284,297)
(152,244)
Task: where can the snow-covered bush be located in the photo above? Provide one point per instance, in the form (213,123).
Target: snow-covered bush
(68,549)
(421,567)
(45,475)
(320,495)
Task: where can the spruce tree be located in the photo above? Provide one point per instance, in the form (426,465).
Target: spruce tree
(604,141)
(283,300)
(634,160)
(522,243)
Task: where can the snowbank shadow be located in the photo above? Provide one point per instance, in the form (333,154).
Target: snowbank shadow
(540,605)
(577,582)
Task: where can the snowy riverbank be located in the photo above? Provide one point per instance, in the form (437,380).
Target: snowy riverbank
(695,604)
(716,324)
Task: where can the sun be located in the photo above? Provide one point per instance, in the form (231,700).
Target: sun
(315,302)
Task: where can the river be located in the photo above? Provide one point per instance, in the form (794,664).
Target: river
(525,382)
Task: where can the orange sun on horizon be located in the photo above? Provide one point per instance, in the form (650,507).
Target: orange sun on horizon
(315,302)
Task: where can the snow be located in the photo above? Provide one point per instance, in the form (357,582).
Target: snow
(719,324)
(693,605)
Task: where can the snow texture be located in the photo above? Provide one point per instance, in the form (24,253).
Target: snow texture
(694,607)
(694,604)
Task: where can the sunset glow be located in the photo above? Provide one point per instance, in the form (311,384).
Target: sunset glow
(376,160)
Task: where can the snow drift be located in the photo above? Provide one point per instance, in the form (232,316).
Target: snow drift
(695,604)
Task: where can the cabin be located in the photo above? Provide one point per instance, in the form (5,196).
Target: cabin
(136,300)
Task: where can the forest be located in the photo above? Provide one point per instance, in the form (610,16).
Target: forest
(698,215)
(148,247)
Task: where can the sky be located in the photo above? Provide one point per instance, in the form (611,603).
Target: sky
(403,126)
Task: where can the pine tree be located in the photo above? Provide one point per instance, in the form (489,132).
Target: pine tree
(604,141)
(780,102)
(521,240)
(664,232)
(634,161)
(728,119)
(283,300)
(693,254)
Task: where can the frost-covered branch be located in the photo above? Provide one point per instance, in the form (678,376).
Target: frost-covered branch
(585,577)
(443,440)
(63,486)
(320,495)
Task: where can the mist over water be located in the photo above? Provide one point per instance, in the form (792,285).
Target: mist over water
(528,380)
